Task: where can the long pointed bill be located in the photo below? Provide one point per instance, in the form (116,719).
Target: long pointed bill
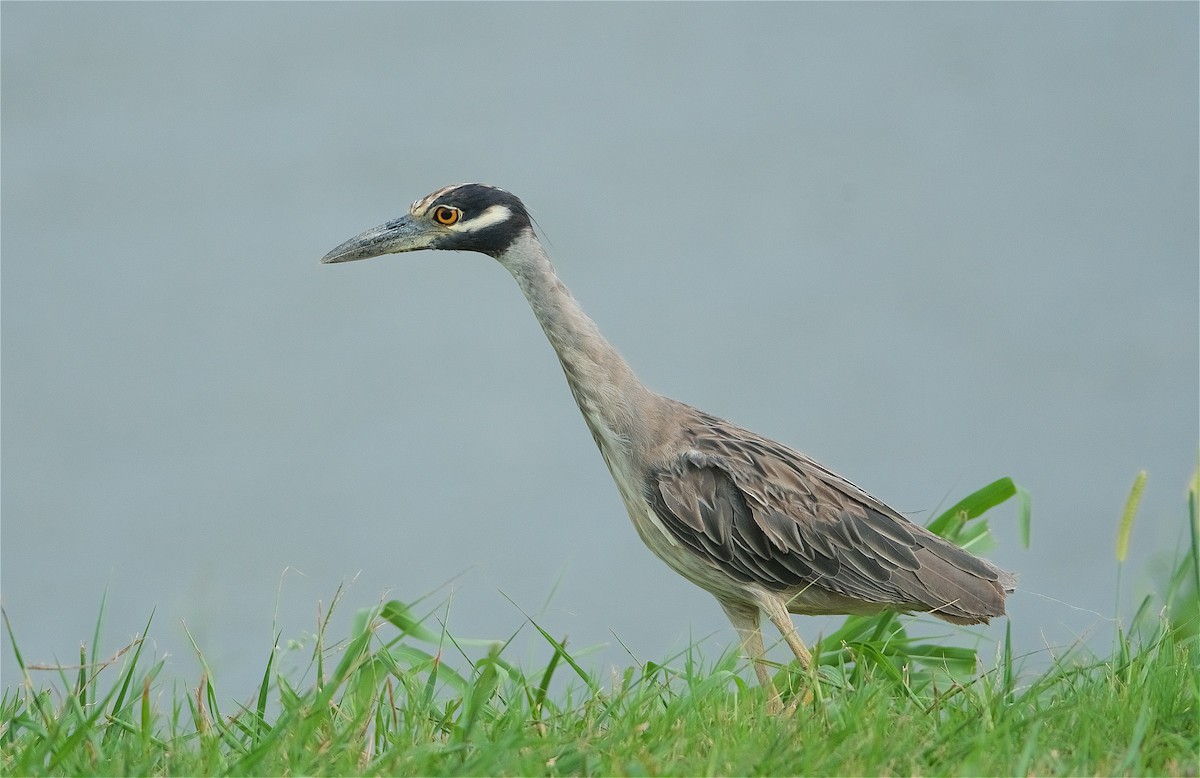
(403,234)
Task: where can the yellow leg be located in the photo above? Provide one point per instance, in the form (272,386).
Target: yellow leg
(778,614)
(745,619)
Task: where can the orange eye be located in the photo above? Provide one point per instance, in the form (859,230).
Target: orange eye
(445,215)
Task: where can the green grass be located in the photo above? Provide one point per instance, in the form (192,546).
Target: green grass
(396,697)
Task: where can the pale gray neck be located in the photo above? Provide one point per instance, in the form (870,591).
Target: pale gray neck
(608,393)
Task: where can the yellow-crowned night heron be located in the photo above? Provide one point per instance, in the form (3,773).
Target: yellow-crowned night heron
(760,526)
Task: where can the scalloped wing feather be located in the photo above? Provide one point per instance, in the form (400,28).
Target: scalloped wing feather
(765,514)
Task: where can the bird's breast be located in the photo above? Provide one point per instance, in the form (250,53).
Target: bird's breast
(657,538)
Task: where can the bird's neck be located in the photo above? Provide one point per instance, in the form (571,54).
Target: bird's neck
(609,395)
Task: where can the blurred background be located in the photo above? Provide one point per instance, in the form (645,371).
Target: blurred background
(928,244)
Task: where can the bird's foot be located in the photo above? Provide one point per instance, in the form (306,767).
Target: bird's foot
(797,700)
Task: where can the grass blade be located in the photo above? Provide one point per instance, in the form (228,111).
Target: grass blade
(1024,515)
(260,711)
(1194,526)
(540,695)
(398,615)
(95,661)
(560,650)
(974,505)
(137,653)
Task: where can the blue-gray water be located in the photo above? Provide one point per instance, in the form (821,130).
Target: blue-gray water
(929,244)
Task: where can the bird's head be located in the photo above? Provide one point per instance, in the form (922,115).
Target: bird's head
(463,217)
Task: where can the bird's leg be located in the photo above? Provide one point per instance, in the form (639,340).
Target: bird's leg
(745,619)
(777,612)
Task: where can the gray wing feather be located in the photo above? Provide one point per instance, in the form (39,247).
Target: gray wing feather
(766,514)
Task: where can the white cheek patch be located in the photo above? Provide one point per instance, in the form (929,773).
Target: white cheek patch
(493,215)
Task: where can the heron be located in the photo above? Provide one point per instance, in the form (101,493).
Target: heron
(760,526)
